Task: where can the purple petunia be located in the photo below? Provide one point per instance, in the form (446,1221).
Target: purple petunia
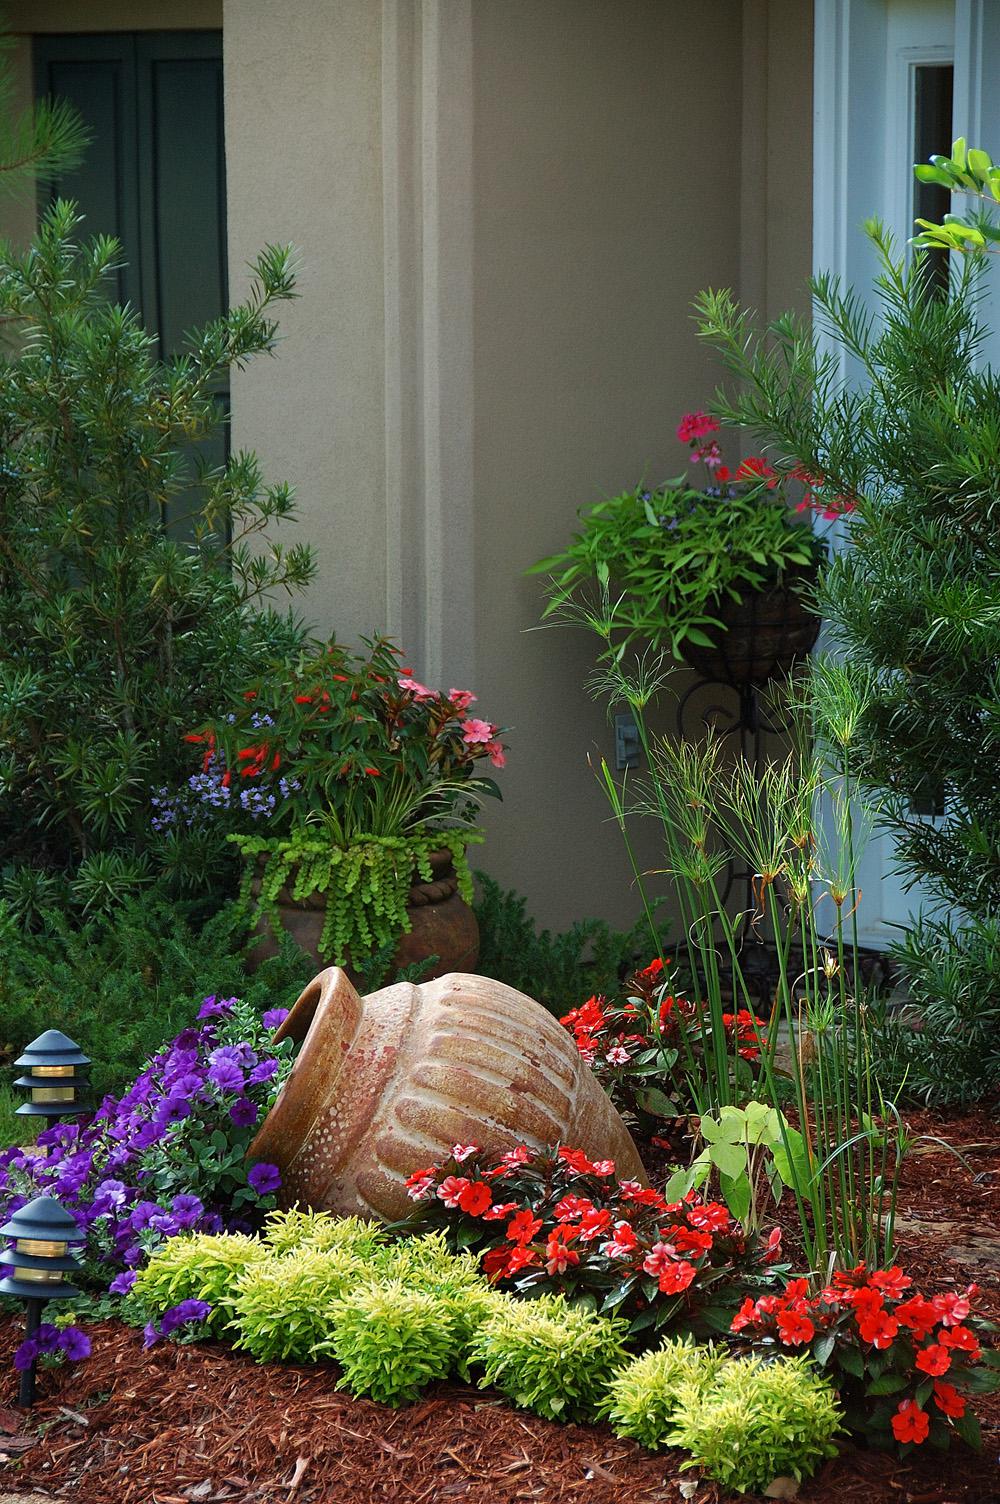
(214,1007)
(264,1178)
(74,1343)
(243,1112)
(274,1018)
(262,1072)
(187,1210)
(226,1076)
(180,1315)
(122,1283)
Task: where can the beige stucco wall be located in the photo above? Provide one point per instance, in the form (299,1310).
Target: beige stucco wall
(504,208)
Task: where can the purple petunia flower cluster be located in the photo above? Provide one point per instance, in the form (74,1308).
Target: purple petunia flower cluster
(68,1342)
(170,1155)
(186,1313)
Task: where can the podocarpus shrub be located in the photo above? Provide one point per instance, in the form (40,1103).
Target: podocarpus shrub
(115,638)
(756,1422)
(888,401)
(550,1357)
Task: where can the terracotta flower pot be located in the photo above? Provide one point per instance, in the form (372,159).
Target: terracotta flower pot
(443,924)
(765,632)
(386,1084)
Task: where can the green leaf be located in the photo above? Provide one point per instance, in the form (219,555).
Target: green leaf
(731,1159)
(737,1195)
(850,1359)
(888,1383)
(969,1429)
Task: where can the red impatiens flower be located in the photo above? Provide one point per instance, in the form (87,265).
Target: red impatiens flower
(963,1339)
(657,1259)
(623,1243)
(523,1227)
(880,1329)
(593,1223)
(794,1328)
(713,1216)
(499,1211)
(910,1423)
(867,1303)
(890,1281)
(576,1160)
(918,1315)
(745,1316)
(676,1277)
(496,1262)
(948,1399)
(475,1198)
(935,1359)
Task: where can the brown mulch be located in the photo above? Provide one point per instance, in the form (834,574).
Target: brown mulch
(181,1424)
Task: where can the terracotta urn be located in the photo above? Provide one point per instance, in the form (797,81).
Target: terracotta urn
(386,1084)
(442,924)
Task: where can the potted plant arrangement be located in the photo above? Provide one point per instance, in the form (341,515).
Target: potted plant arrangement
(352,791)
(717,574)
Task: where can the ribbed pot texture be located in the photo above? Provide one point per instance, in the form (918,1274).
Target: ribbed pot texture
(384,1085)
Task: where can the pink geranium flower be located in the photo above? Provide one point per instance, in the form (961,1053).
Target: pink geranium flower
(477,731)
(695,426)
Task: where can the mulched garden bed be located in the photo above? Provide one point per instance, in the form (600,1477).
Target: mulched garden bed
(177,1424)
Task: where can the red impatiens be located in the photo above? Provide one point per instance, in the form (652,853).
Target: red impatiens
(565,1222)
(650,1035)
(890,1354)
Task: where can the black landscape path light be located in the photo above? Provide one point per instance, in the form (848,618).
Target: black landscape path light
(56,1075)
(42,1232)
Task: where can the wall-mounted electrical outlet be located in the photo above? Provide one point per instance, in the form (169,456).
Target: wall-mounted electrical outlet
(627,745)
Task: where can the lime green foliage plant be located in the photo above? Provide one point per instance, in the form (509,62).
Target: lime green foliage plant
(550,1357)
(199,1266)
(114,635)
(390,1342)
(282,1305)
(756,1422)
(671,555)
(642,1397)
(289,1231)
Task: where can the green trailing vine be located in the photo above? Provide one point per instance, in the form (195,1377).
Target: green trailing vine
(367,883)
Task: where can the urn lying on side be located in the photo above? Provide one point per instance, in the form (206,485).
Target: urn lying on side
(386,1084)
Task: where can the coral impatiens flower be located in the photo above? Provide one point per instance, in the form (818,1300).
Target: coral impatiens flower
(948,1400)
(794,1328)
(918,1315)
(890,1281)
(451,1189)
(880,1329)
(474,731)
(523,1227)
(963,1339)
(934,1360)
(910,1423)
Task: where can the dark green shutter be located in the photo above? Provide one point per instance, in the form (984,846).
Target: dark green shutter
(154,174)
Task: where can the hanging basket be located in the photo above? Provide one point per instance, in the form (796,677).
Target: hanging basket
(765,632)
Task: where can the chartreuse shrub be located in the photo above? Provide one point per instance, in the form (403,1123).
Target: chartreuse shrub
(743,1420)
(642,1396)
(205,1267)
(549,1357)
(390,1341)
(759,1421)
(287,1232)
(281,1306)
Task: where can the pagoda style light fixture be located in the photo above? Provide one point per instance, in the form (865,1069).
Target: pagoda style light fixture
(42,1233)
(56,1075)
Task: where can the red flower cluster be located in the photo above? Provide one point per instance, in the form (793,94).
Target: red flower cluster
(557,1219)
(829,507)
(652,1037)
(887,1340)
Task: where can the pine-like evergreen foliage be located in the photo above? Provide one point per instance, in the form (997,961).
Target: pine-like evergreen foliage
(116,638)
(906,431)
